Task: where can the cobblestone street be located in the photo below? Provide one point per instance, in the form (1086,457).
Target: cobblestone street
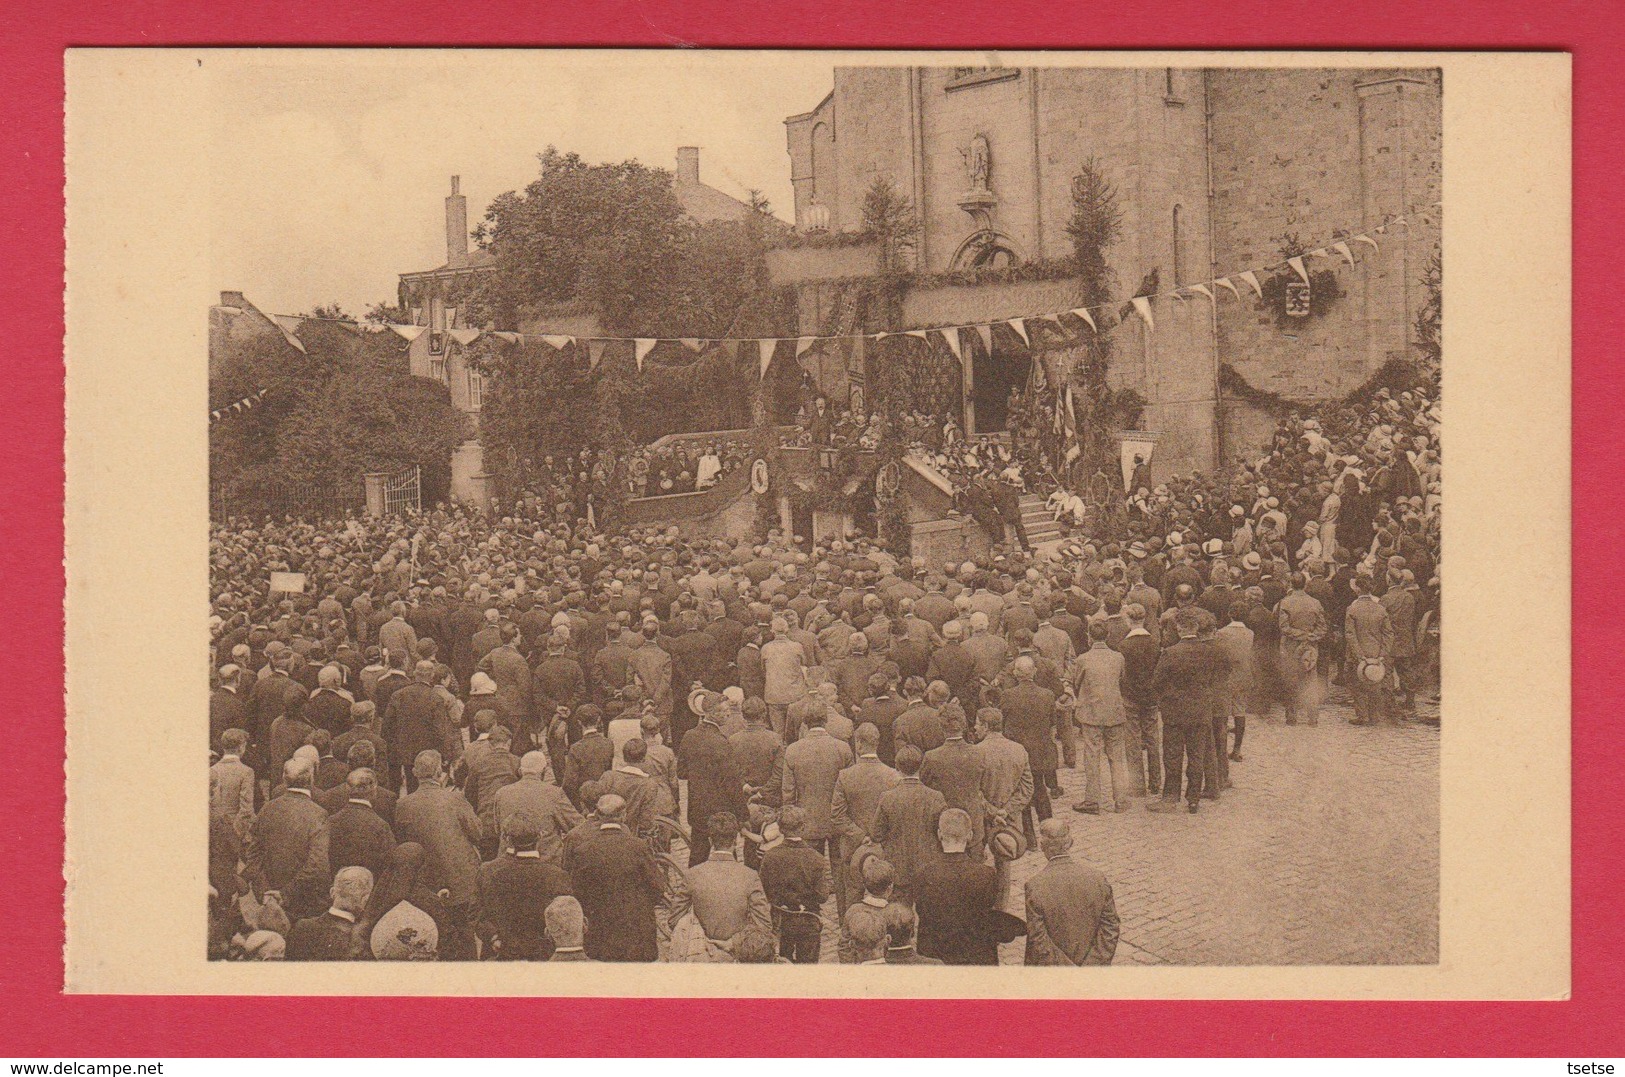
(1325,852)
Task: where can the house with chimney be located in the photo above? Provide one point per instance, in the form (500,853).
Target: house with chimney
(429,296)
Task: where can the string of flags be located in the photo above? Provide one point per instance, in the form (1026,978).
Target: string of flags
(767,348)
(241,405)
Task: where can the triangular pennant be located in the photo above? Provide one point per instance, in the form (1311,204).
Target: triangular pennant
(1020,326)
(950,337)
(595,352)
(1367,239)
(1342,248)
(640,348)
(1142,303)
(1297,267)
(287,323)
(802,344)
(1252,280)
(558,341)
(1088,319)
(410,332)
(464,337)
(1203,289)
(693,344)
(764,355)
(1400,220)
(1177,296)
(916,333)
(1224,282)
(511,338)
(986,333)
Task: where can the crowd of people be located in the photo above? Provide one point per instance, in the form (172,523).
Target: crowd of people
(682,467)
(515,737)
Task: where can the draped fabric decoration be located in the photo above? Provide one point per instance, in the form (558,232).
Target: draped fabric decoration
(289,325)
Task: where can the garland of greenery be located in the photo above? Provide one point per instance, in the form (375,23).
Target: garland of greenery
(1396,375)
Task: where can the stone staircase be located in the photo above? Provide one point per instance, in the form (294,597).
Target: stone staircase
(1042,530)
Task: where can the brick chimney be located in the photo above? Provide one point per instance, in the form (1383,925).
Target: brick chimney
(233,299)
(688,165)
(456,227)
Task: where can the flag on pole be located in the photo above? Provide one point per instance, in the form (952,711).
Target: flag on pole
(950,337)
(1297,267)
(1142,304)
(1342,248)
(1252,280)
(641,347)
(1224,282)
(1088,319)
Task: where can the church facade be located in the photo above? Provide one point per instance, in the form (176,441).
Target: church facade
(1216,171)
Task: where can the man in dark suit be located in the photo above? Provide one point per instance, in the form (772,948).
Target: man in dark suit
(1029,720)
(854,806)
(1071,917)
(226,707)
(590,757)
(514,890)
(329,706)
(559,680)
(642,791)
(441,820)
(881,710)
(616,879)
(953,665)
(361,757)
(1188,674)
(955,771)
(796,880)
(906,822)
(287,845)
(418,720)
(357,835)
(335,935)
(706,760)
(956,897)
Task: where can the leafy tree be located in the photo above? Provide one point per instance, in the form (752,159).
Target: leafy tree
(328,312)
(343,407)
(1430,319)
(1095,224)
(387,314)
(890,218)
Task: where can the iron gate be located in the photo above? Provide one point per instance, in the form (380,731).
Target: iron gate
(403,492)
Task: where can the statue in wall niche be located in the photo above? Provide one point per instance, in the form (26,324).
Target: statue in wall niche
(979,161)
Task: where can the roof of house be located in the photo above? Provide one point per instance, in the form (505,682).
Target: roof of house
(478,258)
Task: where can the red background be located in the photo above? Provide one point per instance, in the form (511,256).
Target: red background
(37,1019)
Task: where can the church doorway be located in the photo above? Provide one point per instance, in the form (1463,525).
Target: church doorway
(994,378)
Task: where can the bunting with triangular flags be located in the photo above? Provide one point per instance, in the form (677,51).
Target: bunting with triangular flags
(950,337)
(558,342)
(1020,326)
(641,347)
(465,337)
(410,332)
(1142,304)
(693,344)
(1297,267)
(595,353)
(1252,281)
(1088,319)
(802,344)
(1342,249)
(1224,282)
(1203,289)
(1367,239)
(764,355)
(986,333)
